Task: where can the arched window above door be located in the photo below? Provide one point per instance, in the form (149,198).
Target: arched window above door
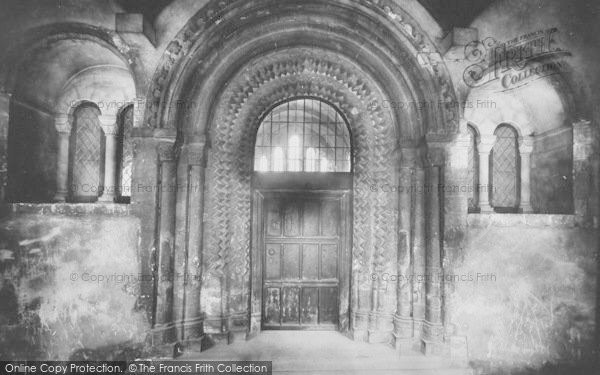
(303,135)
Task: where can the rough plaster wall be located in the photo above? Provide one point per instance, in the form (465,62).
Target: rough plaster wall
(32,150)
(540,305)
(552,174)
(56,316)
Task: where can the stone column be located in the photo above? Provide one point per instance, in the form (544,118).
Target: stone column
(486,143)
(403,321)
(63,124)
(188,243)
(418,251)
(164,328)
(145,201)
(4,123)
(525,149)
(111,129)
(455,211)
(432,327)
(583,176)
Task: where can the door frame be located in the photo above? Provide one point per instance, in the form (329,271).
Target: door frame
(333,184)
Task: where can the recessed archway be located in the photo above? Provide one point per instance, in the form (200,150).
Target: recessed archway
(215,93)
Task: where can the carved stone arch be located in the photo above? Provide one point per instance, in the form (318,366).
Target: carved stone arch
(270,80)
(383,29)
(232,62)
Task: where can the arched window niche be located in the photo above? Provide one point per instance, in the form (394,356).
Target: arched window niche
(303,135)
(505,170)
(473,170)
(124,154)
(95,154)
(86,155)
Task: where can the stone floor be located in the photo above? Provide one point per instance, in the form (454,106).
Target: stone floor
(330,353)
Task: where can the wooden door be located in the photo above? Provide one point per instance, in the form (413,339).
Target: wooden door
(301,267)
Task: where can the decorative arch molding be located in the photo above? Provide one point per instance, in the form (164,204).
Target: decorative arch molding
(396,48)
(289,74)
(231,63)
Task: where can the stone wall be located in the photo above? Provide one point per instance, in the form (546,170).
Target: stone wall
(70,276)
(552,172)
(31,155)
(529,293)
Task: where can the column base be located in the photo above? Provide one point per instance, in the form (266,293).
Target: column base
(403,345)
(193,329)
(163,334)
(221,338)
(486,209)
(432,339)
(107,198)
(402,338)
(526,208)
(60,197)
(359,335)
(432,348)
(196,344)
(378,337)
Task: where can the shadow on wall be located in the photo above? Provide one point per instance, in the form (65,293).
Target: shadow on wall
(531,297)
(71,284)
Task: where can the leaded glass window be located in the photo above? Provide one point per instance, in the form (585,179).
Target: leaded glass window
(125,150)
(303,135)
(505,169)
(87,154)
(473,171)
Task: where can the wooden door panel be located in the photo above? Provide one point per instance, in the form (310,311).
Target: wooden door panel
(291,261)
(329,261)
(310,218)
(291,219)
(272,309)
(273,262)
(330,218)
(310,306)
(273,219)
(328,306)
(301,255)
(310,262)
(290,304)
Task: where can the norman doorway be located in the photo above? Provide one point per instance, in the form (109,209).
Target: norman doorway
(302,187)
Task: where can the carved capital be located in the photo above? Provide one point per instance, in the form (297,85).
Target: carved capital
(485,144)
(407,154)
(435,154)
(166,151)
(63,123)
(4,101)
(582,132)
(525,145)
(458,152)
(196,156)
(581,123)
(109,124)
